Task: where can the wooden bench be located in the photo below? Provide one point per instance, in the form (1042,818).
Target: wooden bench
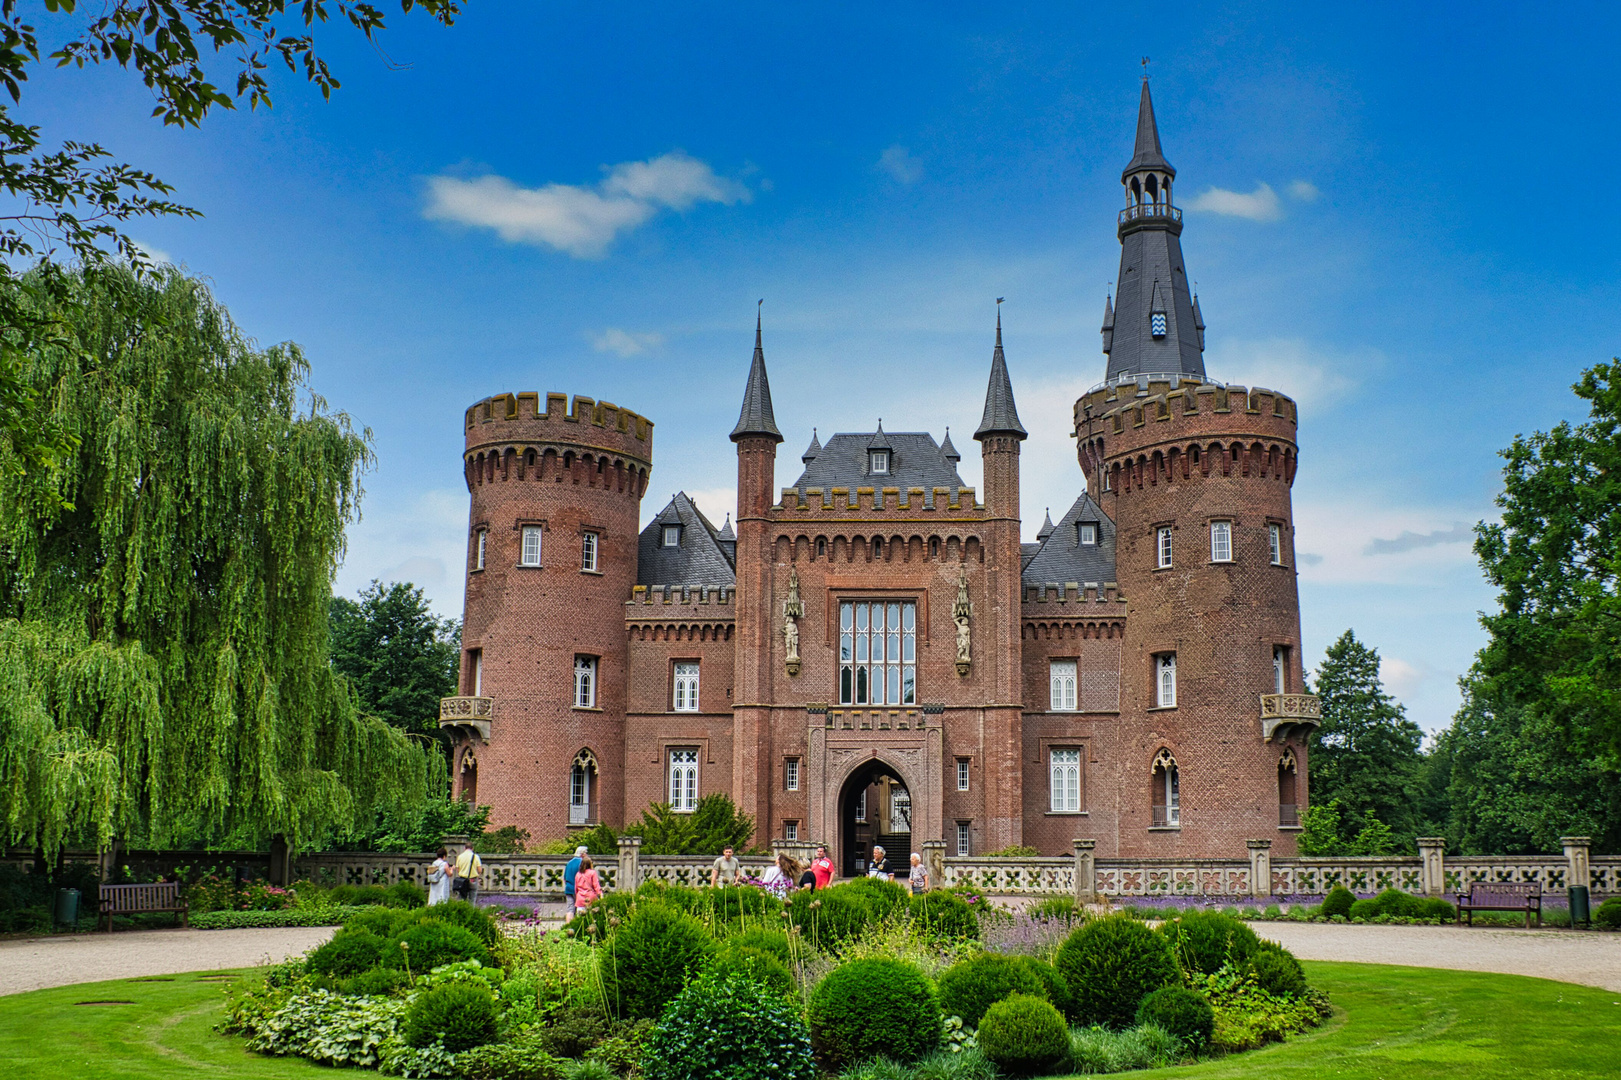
(139,899)
(1523,896)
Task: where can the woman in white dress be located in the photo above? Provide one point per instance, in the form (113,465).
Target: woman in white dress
(439,875)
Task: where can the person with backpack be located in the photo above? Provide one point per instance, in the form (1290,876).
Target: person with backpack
(469,874)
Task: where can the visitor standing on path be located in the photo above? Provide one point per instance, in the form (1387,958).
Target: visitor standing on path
(587,886)
(822,867)
(569,873)
(779,876)
(469,874)
(439,875)
(726,868)
(919,877)
(879,867)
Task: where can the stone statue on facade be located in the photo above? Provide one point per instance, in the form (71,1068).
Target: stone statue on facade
(792,609)
(960,611)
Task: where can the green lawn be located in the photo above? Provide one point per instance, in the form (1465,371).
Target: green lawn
(1396,1023)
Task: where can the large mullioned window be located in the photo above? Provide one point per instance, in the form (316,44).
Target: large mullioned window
(878,652)
(684,780)
(1065,782)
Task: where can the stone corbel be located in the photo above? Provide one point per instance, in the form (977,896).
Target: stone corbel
(792,609)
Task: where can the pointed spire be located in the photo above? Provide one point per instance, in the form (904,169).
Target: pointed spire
(1001,416)
(880,441)
(1046,526)
(726,532)
(756,417)
(948,451)
(1147,154)
(1108,323)
(812,450)
(1198,320)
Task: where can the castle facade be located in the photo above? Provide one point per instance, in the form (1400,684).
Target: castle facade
(873,657)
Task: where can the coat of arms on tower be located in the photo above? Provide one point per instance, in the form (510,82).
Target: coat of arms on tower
(792,609)
(960,611)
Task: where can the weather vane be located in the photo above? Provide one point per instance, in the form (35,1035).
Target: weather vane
(1145,69)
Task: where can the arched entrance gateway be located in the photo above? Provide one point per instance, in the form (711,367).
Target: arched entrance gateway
(875,808)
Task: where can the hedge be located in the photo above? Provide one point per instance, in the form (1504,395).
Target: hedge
(244,920)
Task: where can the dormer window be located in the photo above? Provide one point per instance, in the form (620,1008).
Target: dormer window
(1157,324)
(1088,532)
(672,536)
(878,462)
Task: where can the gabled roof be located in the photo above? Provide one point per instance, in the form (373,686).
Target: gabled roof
(915,460)
(1062,557)
(702,558)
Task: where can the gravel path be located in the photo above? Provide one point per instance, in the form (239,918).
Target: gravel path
(35,963)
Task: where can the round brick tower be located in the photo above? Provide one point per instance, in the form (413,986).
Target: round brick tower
(556,495)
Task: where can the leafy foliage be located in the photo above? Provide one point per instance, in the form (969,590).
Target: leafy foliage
(430,943)
(457,1015)
(329,1028)
(1337,902)
(247,920)
(508,1061)
(398,657)
(870,1007)
(830,917)
(1205,940)
(944,916)
(650,958)
(729,1026)
(1277,971)
(1181,1012)
(1248,1016)
(971,986)
(1111,965)
(1099,1050)
(755,965)
(348,953)
(1609,913)
(1024,1035)
(715,824)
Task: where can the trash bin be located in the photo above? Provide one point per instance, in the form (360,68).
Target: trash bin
(67,907)
(1580,914)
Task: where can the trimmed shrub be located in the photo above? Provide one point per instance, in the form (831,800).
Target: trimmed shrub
(754,965)
(1337,902)
(1024,1035)
(570,1033)
(473,920)
(829,917)
(378,982)
(1054,987)
(1390,902)
(1277,971)
(774,942)
(431,944)
(971,986)
(1181,1012)
(350,952)
(868,1008)
(1433,907)
(650,958)
(944,916)
(1609,913)
(729,1027)
(509,1061)
(383,921)
(885,898)
(406,895)
(248,920)
(1111,965)
(1205,940)
(462,1015)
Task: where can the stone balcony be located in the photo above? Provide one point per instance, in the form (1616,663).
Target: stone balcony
(466,715)
(1283,715)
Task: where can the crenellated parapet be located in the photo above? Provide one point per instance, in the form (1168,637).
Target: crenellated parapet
(812,501)
(586,442)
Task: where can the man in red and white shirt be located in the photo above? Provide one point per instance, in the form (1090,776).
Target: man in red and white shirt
(822,867)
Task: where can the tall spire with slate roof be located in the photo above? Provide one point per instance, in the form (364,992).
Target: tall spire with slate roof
(756,417)
(1001,416)
(1151,327)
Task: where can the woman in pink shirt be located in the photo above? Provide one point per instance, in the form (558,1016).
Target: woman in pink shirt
(587,886)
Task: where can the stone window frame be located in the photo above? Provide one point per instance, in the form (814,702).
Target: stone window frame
(1164,545)
(591,551)
(1221,530)
(522,527)
(1074,688)
(965,835)
(965,767)
(1054,787)
(1276,529)
(587,676)
(481,547)
(792,772)
(690,771)
(1163,662)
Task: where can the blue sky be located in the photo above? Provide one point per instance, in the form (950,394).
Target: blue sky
(1394,213)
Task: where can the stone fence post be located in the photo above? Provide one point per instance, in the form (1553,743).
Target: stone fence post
(1432,852)
(1086,875)
(1576,855)
(629,863)
(1260,867)
(934,858)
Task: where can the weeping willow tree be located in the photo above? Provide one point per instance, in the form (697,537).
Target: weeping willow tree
(164,587)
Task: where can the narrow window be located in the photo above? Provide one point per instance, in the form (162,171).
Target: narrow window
(1280,669)
(861,806)
(672,536)
(1065,784)
(1061,677)
(475,671)
(1089,532)
(1274,538)
(585,682)
(821,546)
(1288,806)
(878,653)
(1165,680)
(531,546)
(962,774)
(880,462)
(684,780)
(1221,541)
(1164,548)
(686,687)
(481,547)
(962,839)
(1167,792)
(790,830)
(580,788)
(588,552)
(790,774)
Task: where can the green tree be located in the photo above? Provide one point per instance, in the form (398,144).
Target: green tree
(399,658)
(715,823)
(163,643)
(1366,755)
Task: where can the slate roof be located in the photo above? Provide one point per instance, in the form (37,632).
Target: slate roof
(1001,416)
(1146,154)
(756,416)
(1062,558)
(704,557)
(915,460)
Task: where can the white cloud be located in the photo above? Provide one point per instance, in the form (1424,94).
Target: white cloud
(1304,191)
(582,221)
(422,540)
(1411,541)
(902,167)
(1318,379)
(1402,679)
(157,255)
(623,342)
(1345,526)
(1259,205)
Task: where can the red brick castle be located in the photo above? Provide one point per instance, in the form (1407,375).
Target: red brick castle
(873,656)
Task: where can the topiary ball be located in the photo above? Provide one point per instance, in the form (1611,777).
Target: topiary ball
(971,986)
(1337,902)
(1111,965)
(1277,971)
(729,1026)
(766,940)
(1205,940)
(829,917)
(385,922)
(350,952)
(1609,913)
(1055,988)
(944,916)
(650,958)
(427,945)
(1024,1035)
(885,898)
(472,919)
(1181,1012)
(461,1014)
(754,965)
(378,982)
(1433,907)
(874,1007)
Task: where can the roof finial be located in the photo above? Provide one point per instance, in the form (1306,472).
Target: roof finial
(758,307)
(1145,69)
(999,300)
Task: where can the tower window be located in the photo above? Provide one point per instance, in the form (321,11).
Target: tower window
(861,806)
(588,552)
(481,545)
(475,671)
(790,830)
(1274,538)
(1156,323)
(1165,681)
(962,839)
(531,546)
(1064,767)
(962,774)
(1221,541)
(878,653)
(684,780)
(1089,530)
(585,682)
(879,461)
(1167,792)
(1061,677)
(790,774)
(1164,546)
(686,687)
(672,536)
(1280,669)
